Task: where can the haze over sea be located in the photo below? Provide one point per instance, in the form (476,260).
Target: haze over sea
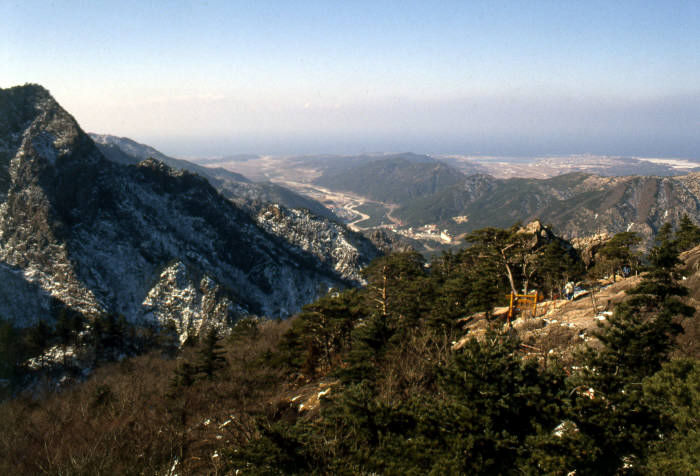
(495,78)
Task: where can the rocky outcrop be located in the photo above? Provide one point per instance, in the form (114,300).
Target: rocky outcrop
(588,246)
(188,302)
(390,242)
(541,235)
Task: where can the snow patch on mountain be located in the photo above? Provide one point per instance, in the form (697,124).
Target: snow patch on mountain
(335,245)
(188,304)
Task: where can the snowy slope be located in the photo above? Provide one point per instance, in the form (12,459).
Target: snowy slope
(142,240)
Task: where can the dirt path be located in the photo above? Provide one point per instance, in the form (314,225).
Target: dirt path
(391,207)
(363,216)
(345,200)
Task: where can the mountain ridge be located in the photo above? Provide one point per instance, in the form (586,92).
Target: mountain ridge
(98,236)
(300,221)
(231,184)
(577,204)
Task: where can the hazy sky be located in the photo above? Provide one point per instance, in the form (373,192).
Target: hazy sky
(510,78)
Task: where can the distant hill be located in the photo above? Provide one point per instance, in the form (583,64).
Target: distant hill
(394,179)
(331,165)
(576,204)
(232,185)
(229,158)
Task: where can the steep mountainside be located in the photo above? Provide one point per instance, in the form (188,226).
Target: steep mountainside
(394,179)
(146,241)
(309,226)
(576,204)
(345,251)
(234,186)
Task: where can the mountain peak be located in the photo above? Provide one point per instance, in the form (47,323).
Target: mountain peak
(37,130)
(26,92)
(19,105)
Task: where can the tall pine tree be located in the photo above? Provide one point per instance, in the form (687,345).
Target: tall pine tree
(211,355)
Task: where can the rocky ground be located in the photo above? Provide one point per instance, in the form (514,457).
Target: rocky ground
(560,327)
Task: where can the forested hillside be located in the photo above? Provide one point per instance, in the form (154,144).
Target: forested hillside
(371,381)
(394,179)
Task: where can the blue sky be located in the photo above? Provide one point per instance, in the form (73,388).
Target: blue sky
(503,78)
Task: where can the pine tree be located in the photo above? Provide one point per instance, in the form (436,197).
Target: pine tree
(471,283)
(184,376)
(498,403)
(77,324)
(617,254)
(394,287)
(515,250)
(326,326)
(687,235)
(369,344)
(111,336)
(556,266)
(674,392)
(11,351)
(64,331)
(38,337)
(637,341)
(211,355)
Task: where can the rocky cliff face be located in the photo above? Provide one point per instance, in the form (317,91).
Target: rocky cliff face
(639,204)
(189,302)
(589,246)
(345,251)
(142,240)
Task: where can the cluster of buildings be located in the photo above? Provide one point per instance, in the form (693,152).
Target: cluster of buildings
(427,232)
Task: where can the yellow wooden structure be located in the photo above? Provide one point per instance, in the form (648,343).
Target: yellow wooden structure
(522,301)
